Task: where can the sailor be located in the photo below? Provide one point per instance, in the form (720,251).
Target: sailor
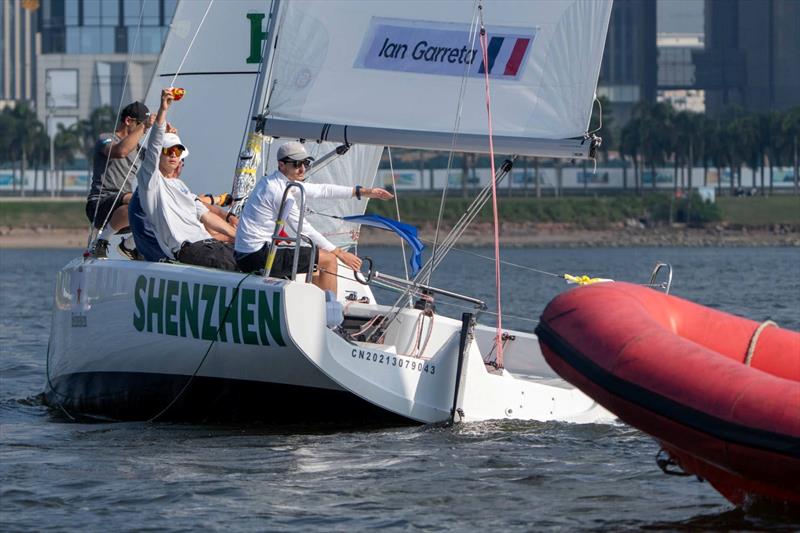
(184,227)
(115,161)
(257,221)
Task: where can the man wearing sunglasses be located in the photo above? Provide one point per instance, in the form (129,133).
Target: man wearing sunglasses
(257,221)
(183,226)
(115,162)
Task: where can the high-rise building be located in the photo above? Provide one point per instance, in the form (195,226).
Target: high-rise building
(751,55)
(18,50)
(96,53)
(629,69)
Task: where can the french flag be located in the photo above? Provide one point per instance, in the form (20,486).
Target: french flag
(505,55)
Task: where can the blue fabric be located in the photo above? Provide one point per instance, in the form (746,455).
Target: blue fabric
(146,242)
(406,231)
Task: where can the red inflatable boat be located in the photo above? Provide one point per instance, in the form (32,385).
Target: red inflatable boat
(719,392)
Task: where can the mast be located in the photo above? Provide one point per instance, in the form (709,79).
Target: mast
(249,163)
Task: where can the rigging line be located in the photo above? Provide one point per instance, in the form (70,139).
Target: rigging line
(208,350)
(485,51)
(191,43)
(456,127)
(599,116)
(502,261)
(397,209)
(116,121)
(486,311)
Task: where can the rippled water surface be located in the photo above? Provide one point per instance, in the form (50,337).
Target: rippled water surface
(60,475)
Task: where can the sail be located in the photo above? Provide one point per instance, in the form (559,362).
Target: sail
(390,73)
(356,167)
(219,74)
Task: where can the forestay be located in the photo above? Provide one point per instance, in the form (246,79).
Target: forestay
(392,73)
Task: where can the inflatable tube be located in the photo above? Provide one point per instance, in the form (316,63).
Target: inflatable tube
(676,370)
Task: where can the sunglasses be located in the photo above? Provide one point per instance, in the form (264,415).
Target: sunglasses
(297,164)
(173,151)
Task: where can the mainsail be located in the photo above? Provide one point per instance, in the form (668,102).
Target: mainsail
(392,74)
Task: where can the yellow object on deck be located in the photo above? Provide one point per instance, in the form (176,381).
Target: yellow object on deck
(584,279)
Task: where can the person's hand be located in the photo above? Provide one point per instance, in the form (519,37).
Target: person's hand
(378,193)
(350,260)
(232,219)
(171,129)
(166,98)
(149,121)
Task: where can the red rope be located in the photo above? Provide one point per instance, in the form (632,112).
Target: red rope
(498,339)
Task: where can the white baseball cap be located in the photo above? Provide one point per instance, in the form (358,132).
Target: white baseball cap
(171,139)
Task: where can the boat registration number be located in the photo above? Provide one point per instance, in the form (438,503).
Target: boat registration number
(408,363)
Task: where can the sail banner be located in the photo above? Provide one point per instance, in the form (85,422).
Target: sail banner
(392,70)
(427,48)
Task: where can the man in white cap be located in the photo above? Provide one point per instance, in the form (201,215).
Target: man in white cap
(257,221)
(182,224)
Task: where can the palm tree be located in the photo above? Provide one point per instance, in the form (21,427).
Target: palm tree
(630,145)
(655,133)
(25,132)
(791,129)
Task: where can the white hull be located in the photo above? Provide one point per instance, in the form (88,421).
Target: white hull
(129,338)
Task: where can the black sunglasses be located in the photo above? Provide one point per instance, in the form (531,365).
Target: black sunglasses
(297,164)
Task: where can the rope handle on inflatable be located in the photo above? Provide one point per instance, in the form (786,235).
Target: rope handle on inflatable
(584,279)
(751,349)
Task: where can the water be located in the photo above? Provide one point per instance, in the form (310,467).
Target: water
(59,475)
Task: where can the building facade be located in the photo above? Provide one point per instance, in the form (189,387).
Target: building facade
(628,74)
(18,51)
(96,53)
(751,55)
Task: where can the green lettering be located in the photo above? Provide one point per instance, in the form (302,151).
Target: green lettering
(270,318)
(189,308)
(171,310)
(138,316)
(247,300)
(257,35)
(155,304)
(209,294)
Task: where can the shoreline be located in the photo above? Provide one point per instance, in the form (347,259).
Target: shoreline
(512,235)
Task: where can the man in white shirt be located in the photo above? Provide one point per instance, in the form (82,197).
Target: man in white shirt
(182,224)
(257,221)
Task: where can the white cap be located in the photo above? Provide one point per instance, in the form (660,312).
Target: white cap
(294,151)
(171,139)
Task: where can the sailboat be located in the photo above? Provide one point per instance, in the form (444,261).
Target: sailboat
(139,340)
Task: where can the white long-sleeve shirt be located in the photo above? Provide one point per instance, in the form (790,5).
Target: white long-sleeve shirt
(171,208)
(257,221)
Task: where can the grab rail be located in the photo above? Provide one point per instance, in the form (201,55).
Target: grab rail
(656,270)
(276,236)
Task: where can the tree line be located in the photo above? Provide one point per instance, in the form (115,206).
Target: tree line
(658,135)
(25,144)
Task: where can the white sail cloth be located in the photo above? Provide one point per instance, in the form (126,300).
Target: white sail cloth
(217,64)
(398,66)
